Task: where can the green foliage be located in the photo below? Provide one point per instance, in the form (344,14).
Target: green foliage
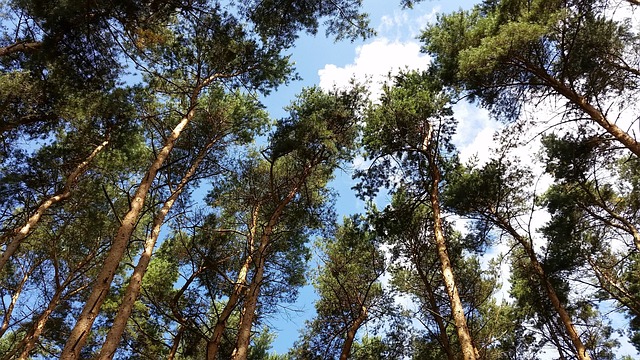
(413,121)
(320,125)
(350,291)
(505,52)
(64,89)
(63,93)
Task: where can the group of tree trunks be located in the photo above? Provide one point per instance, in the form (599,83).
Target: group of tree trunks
(116,119)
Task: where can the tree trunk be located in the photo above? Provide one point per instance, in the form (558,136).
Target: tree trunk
(581,350)
(14,298)
(623,223)
(176,344)
(22,46)
(469,351)
(351,334)
(135,283)
(30,340)
(16,236)
(241,350)
(614,289)
(596,115)
(28,343)
(213,345)
(101,287)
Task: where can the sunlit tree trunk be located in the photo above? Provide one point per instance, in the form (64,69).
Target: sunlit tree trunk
(596,115)
(351,333)
(469,352)
(135,283)
(444,338)
(15,237)
(241,350)
(213,345)
(581,350)
(101,287)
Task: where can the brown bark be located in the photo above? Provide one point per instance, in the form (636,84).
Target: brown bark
(23,46)
(16,236)
(213,345)
(596,115)
(581,350)
(101,287)
(90,311)
(469,352)
(29,341)
(135,283)
(176,343)
(351,333)
(241,350)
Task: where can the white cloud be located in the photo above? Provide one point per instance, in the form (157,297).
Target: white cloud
(406,24)
(373,62)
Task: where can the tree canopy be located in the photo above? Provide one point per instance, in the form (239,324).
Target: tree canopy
(153,208)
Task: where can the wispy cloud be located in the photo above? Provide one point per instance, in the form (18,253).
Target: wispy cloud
(405,25)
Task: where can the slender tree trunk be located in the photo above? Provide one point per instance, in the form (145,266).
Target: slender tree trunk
(469,352)
(135,283)
(623,223)
(581,350)
(614,289)
(596,115)
(30,340)
(241,350)
(213,345)
(173,305)
(16,236)
(176,343)
(28,343)
(351,334)
(15,297)
(101,287)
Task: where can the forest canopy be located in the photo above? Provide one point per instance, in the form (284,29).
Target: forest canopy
(151,206)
